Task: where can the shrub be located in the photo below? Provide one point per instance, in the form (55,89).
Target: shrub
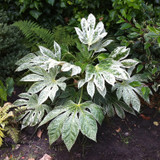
(82,89)
(139,29)
(11,48)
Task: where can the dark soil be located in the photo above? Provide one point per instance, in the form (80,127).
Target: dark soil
(134,138)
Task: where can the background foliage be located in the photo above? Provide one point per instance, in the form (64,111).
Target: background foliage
(131,23)
(11,46)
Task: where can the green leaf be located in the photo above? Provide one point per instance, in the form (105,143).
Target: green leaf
(126,107)
(147,45)
(3,91)
(110,110)
(145,92)
(51,2)
(125,26)
(152,29)
(9,86)
(112,14)
(102,56)
(158,40)
(133,35)
(119,111)
(123,12)
(154,70)
(138,25)
(129,17)
(135,84)
(35,13)
(139,68)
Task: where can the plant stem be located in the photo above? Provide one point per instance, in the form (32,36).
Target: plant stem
(81,96)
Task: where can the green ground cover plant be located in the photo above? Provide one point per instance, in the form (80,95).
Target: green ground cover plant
(78,87)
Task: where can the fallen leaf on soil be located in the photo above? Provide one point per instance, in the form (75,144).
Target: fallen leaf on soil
(156,123)
(39,133)
(46,157)
(118,130)
(145,117)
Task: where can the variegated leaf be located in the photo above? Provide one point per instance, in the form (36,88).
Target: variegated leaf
(32,78)
(90,34)
(47,52)
(128,63)
(34,111)
(120,53)
(57,50)
(81,83)
(91,88)
(70,118)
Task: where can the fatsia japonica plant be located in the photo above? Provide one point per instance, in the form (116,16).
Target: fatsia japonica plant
(77,92)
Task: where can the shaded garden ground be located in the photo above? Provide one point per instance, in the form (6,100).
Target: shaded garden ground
(134,138)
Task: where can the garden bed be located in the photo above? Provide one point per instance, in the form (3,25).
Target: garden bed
(134,138)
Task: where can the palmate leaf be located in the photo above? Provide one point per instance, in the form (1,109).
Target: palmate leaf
(120,53)
(129,89)
(89,33)
(34,111)
(128,93)
(106,71)
(46,59)
(112,105)
(45,83)
(70,118)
